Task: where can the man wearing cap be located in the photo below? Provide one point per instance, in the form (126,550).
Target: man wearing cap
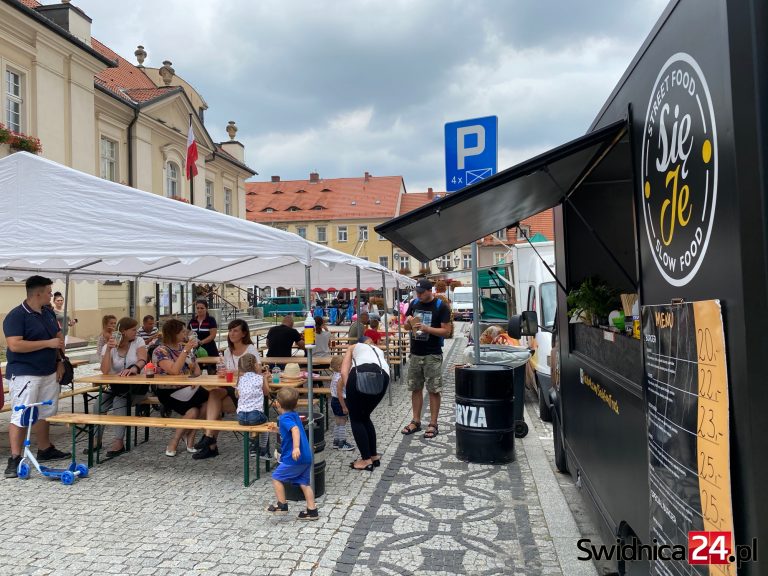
(34,340)
(429,321)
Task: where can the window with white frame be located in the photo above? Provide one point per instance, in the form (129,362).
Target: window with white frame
(405,262)
(108,155)
(302,231)
(322,234)
(209,195)
(384,261)
(424,265)
(467,261)
(501,234)
(171,179)
(499,257)
(341,234)
(228,201)
(525,231)
(380,237)
(444,261)
(362,232)
(14,101)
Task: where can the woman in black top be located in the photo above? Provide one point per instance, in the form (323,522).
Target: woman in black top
(204,325)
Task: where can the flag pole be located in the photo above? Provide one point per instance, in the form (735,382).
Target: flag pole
(191,176)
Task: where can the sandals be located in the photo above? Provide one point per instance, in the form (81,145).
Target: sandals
(367,468)
(279,508)
(412,427)
(432,431)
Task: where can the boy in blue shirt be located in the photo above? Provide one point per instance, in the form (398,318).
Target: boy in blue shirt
(296,457)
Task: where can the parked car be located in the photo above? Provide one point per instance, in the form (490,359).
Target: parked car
(281,305)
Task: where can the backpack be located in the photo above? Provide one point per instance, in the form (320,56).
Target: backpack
(437,307)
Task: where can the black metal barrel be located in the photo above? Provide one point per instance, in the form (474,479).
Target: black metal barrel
(485,416)
(293,492)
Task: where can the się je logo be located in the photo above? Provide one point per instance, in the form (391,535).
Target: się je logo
(679,169)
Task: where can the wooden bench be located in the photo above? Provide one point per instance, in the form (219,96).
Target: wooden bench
(64,395)
(80,419)
(76,420)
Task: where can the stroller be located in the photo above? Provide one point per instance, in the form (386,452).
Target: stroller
(68,475)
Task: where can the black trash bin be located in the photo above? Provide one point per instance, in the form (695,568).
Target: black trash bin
(485,415)
(293,492)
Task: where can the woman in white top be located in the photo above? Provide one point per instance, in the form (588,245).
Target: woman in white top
(123,354)
(322,338)
(363,357)
(238,344)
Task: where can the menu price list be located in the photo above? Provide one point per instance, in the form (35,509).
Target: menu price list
(688,436)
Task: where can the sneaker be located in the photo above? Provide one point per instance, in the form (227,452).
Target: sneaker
(279,508)
(11,471)
(254,448)
(336,445)
(346,446)
(206,452)
(52,453)
(265,455)
(308,514)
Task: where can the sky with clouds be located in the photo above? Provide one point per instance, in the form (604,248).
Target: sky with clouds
(348,86)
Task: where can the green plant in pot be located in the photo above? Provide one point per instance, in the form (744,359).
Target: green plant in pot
(595,299)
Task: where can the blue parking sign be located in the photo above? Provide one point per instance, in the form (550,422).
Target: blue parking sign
(471,151)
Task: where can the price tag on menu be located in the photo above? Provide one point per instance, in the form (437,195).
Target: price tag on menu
(686,382)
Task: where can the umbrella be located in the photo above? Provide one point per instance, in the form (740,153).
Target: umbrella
(317,290)
(331,289)
(345,290)
(369,290)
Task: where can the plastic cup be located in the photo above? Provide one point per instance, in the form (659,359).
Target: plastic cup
(230,376)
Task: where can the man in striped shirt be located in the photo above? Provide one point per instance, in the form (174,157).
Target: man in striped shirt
(148,330)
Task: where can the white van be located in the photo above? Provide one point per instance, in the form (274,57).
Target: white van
(536,291)
(462,303)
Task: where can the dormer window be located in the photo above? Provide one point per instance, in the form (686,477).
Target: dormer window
(292,209)
(268,210)
(301,191)
(317,207)
(277,192)
(326,190)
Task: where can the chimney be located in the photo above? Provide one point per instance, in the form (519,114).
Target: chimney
(430,193)
(275,178)
(69,17)
(314,177)
(232,146)
(367,176)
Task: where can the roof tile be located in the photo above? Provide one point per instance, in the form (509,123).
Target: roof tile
(342,198)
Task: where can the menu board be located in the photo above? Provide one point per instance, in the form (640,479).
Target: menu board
(688,434)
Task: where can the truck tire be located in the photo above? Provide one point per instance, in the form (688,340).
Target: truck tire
(561,461)
(544,411)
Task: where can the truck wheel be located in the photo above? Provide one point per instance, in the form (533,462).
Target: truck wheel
(544,412)
(561,461)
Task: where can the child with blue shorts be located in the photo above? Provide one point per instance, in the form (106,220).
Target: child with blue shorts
(295,456)
(338,394)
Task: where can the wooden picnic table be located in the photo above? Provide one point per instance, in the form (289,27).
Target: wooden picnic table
(300,360)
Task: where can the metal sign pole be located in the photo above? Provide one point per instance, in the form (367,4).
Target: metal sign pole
(476,304)
(359,304)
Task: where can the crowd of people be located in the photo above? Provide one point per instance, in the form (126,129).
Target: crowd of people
(359,378)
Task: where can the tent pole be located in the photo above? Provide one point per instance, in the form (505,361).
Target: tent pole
(476,304)
(357,297)
(386,331)
(396,309)
(310,397)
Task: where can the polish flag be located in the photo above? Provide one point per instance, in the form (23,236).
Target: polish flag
(191,168)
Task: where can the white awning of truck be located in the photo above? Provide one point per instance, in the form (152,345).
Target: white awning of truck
(502,200)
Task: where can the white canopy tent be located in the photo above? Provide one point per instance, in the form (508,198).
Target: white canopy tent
(66,223)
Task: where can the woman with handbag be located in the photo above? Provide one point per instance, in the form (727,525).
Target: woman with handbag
(365,374)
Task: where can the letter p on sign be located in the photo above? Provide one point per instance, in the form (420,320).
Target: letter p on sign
(470,151)
(462,150)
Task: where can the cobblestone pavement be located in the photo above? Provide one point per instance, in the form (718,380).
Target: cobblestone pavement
(422,512)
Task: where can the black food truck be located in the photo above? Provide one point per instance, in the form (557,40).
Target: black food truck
(664,201)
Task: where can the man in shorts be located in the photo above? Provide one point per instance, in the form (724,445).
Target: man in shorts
(34,340)
(429,321)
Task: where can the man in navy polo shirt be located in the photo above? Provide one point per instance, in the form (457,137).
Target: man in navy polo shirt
(34,339)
